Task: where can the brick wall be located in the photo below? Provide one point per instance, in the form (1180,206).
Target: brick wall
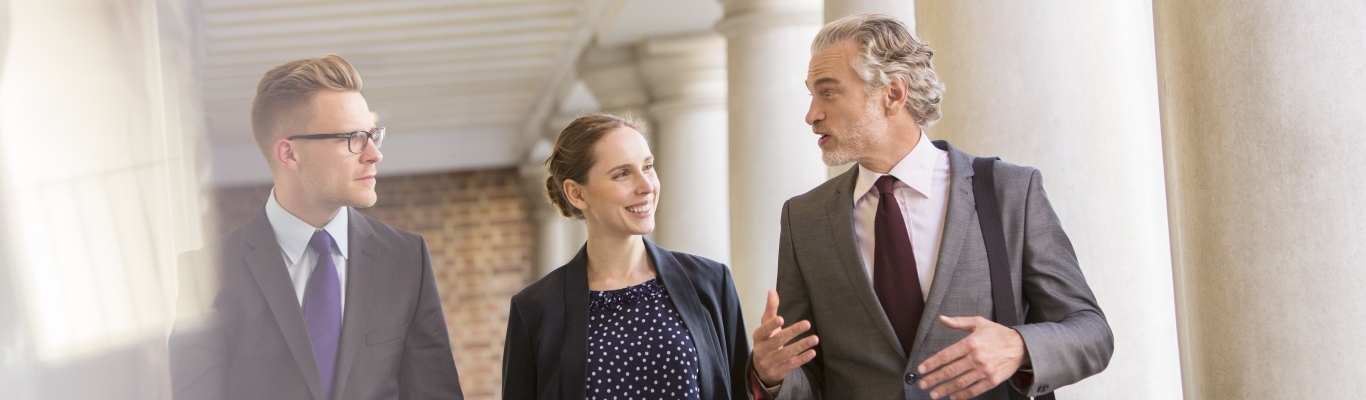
(476,226)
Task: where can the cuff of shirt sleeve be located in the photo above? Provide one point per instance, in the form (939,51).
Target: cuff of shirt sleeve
(1023,380)
(761,392)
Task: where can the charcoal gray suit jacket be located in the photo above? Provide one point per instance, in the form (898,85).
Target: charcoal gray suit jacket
(821,278)
(254,344)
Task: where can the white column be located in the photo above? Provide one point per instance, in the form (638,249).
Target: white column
(687,79)
(903,10)
(773,154)
(1071,89)
(1263,110)
(612,74)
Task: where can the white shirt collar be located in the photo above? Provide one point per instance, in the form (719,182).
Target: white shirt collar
(293,233)
(916,170)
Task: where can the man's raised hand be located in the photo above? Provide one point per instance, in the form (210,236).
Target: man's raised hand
(773,356)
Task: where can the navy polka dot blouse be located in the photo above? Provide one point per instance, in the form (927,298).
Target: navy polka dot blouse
(638,347)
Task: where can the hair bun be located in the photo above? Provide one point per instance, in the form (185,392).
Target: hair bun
(556,197)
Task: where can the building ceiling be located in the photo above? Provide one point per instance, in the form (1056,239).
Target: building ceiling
(459,84)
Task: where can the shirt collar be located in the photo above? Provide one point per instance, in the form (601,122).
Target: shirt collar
(916,170)
(293,233)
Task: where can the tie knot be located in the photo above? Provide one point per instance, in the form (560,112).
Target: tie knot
(884,184)
(321,242)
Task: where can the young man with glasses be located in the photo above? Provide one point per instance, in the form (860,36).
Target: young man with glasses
(315,300)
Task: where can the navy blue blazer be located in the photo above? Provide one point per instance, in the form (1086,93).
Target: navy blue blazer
(546,352)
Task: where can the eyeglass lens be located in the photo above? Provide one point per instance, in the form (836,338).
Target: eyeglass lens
(356,143)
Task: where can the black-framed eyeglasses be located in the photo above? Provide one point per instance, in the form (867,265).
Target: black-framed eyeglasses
(355,141)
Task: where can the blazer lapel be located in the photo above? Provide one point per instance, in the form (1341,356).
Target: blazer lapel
(362,275)
(840,211)
(957,223)
(689,306)
(267,265)
(574,348)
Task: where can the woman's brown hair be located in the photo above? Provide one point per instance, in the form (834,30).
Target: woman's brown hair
(573,155)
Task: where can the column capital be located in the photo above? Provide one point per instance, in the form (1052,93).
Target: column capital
(684,70)
(756,15)
(612,74)
(900,9)
(553,126)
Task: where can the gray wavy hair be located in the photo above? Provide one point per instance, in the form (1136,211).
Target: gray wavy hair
(887,51)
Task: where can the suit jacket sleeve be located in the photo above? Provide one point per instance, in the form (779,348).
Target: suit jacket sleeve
(427,370)
(519,360)
(737,340)
(197,347)
(794,305)
(1065,332)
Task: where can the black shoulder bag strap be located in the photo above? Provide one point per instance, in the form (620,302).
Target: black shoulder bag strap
(994,236)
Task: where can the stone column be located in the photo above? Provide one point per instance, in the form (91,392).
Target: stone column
(687,80)
(612,74)
(773,154)
(1262,114)
(1071,89)
(903,10)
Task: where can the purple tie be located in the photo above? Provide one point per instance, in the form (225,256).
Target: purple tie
(895,279)
(322,309)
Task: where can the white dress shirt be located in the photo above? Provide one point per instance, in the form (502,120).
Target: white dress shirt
(293,234)
(922,193)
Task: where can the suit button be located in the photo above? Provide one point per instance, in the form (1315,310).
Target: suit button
(1043,387)
(911,378)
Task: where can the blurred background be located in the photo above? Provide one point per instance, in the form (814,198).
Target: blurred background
(1204,157)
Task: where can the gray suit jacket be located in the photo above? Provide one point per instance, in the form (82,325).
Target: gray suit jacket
(821,278)
(254,344)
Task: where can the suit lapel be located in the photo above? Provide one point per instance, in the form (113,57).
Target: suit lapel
(267,265)
(957,222)
(574,348)
(361,271)
(840,211)
(689,306)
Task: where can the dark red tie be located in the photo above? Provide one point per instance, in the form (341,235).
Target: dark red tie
(895,278)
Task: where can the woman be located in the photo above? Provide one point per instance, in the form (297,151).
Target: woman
(625,318)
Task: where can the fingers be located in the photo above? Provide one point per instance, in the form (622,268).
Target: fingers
(949,374)
(957,350)
(982,386)
(945,356)
(786,335)
(769,338)
(799,360)
(791,354)
(773,356)
(796,349)
(773,366)
(961,323)
(978,362)
(771,308)
(770,321)
(767,328)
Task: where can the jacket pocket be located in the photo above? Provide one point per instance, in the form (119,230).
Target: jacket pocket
(385,335)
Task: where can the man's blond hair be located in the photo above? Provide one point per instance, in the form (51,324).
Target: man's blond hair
(288,88)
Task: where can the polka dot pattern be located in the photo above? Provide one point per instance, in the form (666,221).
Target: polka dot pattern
(638,347)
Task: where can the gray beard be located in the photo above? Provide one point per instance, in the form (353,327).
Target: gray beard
(854,142)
